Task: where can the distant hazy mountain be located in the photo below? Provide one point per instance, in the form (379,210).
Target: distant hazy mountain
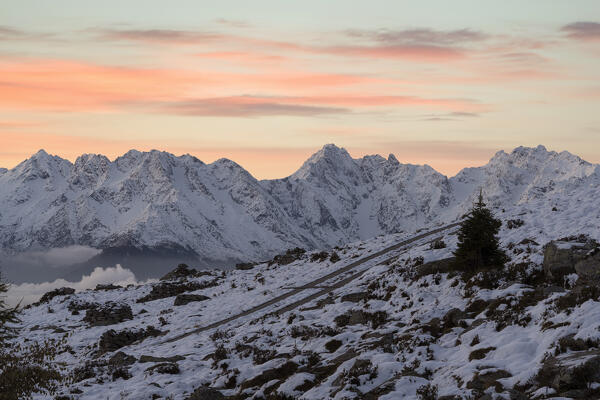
(218,213)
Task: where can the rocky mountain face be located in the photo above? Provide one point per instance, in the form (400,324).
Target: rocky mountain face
(218,212)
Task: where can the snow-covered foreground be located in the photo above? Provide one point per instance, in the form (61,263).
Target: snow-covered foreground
(397,331)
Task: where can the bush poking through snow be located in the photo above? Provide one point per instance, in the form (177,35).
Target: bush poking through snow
(428,392)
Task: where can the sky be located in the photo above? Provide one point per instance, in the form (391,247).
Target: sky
(267,83)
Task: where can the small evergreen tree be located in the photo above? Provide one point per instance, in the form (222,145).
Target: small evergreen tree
(478,246)
(7,314)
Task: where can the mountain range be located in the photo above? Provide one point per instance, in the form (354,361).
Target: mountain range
(156,203)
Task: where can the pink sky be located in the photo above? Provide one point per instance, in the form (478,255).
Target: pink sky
(268,94)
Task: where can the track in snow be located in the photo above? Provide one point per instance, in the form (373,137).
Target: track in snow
(316,282)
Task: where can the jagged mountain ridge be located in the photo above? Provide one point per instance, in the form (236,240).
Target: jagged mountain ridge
(219,211)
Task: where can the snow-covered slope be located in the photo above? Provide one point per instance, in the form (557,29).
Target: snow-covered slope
(219,212)
(395,332)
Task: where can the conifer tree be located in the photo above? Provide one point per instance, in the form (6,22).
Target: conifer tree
(7,314)
(478,245)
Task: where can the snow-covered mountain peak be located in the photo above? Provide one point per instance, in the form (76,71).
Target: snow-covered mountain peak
(329,159)
(222,212)
(392,159)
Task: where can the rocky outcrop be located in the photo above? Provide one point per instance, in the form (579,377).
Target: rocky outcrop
(571,374)
(205,393)
(65,291)
(182,272)
(183,299)
(355,297)
(108,314)
(112,340)
(171,289)
(561,258)
(437,266)
(106,287)
(121,359)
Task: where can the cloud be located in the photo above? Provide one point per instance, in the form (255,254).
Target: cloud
(584,30)
(254,106)
(57,257)
(420,36)
(9,33)
(28,293)
(233,23)
(244,106)
(164,36)
(408,52)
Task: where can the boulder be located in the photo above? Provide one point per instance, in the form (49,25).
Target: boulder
(108,314)
(205,393)
(573,371)
(171,289)
(245,266)
(560,258)
(64,291)
(164,368)
(145,359)
(484,380)
(281,373)
(182,272)
(112,340)
(453,317)
(437,266)
(588,268)
(355,297)
(183,299)
(109,286)
(121,359)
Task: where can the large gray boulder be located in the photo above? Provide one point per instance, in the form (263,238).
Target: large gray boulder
(561,258)
(588,268)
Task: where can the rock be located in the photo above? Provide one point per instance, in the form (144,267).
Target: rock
(480,354)
(121,373)
(109,286)
(453,318)
(355,297)
(289,257)
(333,345)
(164,368)
(570,374)
(182,272)
(437,266)
(108,314)
(281,373)
(205,393)
(112,340)
(121,359)
(560,258)
(588,268)
(481,382)
(77,305)
(171,289)
(183,299)
(245,266)
(145,359)
(576,371)
(64,291)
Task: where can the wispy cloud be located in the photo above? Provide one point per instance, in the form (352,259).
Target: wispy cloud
(420,36)
(233,23)
(245,106)
(583,30)
(10,33)
(164,36)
